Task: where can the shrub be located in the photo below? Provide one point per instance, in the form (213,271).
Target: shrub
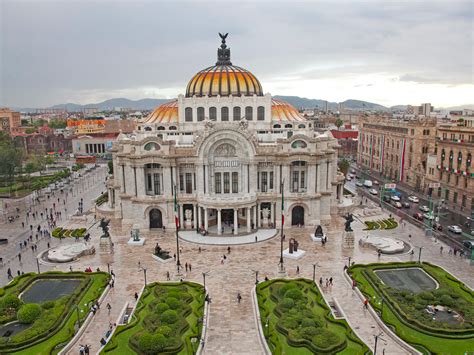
(446,300)
(151,343)
(308,332)
(283,289)
(48,305)
(161,307)
(10,301)
(426,295)
(287,303)
(28,313)
(173,303)
(326,338)
(294,294)
(169,316)
(165,330)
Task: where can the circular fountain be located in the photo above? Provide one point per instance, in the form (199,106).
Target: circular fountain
(384,244)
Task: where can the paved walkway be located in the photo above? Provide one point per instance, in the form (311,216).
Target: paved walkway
(259,236)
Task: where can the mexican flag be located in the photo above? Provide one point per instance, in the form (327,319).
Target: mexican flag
(282,206)
(176,216)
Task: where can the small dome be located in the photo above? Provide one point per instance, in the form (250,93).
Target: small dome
(165,113)
(283,111)
(224,80)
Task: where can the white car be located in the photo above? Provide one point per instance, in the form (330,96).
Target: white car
(348,177)
(413,199)
(358,183)
(455,229)
(428,216)
(368,183)
(424,208)
(395,198)
(396,204)
(373,191)
(353,171)
(376,182)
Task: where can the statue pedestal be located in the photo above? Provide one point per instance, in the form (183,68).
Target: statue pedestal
(317,238)
(188,224)
(348,239)
(106,246)
(295,255)
(162,260)
(265,222)
(139,242)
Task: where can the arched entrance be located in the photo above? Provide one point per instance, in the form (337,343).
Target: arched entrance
(297,216)
(156,220)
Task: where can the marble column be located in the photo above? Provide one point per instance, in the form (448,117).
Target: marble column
(181,219)
(255,217)
(272,214)
(248,220)
(259,219)
(206,219)
(199,216)
(219,224)
(195,223)
(236,221)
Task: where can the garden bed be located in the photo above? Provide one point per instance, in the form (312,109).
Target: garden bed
(408,314)
(296,320)
(167,317)
(389,223)
(68,233)
(52,322)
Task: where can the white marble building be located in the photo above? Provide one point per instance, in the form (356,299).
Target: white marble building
(228,149)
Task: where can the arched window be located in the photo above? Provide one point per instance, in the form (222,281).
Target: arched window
(301,126)
(224,114)
(260,113)
(468,161)
(276,126)
(161,128)
(212,113)
(172,128)
(151,146)
(188,114)
(299,144)
(147,129)
(288,125)
(249,113)
(200,113)
(451,157)
(459,160)
(237,114)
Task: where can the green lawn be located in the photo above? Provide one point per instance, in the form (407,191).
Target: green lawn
(56,325)
(150,330)
(405,315)
(296,320)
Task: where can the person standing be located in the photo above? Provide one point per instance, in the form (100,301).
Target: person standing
(109,307)
(239,297)
(366,304)
(297,270)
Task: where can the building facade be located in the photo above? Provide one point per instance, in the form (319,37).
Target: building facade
(230,152)
(453,170)
(397,149)
(9,120)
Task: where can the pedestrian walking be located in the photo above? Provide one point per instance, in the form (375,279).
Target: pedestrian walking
(189,267)
(199,250)
(19,257)
(239,297)
(320,282)
(9,274)
(330,281)
(441,249)
(109,307)
(297,270)
(112,273)
(366,304)
(228,250)
(186,267)
(167,275)
(136,296)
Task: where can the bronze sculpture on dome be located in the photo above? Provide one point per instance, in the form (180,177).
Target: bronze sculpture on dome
(223,53)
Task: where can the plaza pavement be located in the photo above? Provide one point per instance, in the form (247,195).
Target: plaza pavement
(232,328)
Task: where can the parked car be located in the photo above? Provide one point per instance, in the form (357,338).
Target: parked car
(418,216)
(376,182)
(424,208)
(428,216)
(396,204)
(358,183)
(395,198)
(386,198)
(373,191)
(353,171)
(406,204)
(368,183)
(468,244)
(348,178)
(413,199)
(455,229)
(437,226)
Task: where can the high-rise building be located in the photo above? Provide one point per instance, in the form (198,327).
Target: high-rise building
(9,120)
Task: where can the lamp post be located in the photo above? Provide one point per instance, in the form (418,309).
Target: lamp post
(178,263)
(377,337)
(314,271)
(256,276)
(282,266)
(38,266)
(204,274)
(349,262)
(419,255)
(144,274)
(108,268)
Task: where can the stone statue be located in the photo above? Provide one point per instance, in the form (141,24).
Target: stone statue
(188,215)
(104,225)
(293,245)
(265,213)
(243,124)
(349,220)
(319,231)
(135,234)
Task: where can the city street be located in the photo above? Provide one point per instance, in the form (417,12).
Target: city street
(446,216)
(86,188)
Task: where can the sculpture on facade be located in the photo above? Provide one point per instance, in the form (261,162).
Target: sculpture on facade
(349,219)
(243,124)
(265,213)
(188,214)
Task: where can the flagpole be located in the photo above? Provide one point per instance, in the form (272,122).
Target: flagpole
(178,264)
(282,186)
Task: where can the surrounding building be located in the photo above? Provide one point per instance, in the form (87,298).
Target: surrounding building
(9,120)
(347,138)
(397,149)
(231,152)
(43,142)
(424,109)
(453,169)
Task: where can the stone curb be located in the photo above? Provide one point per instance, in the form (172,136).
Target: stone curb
(258,322)
(379,321)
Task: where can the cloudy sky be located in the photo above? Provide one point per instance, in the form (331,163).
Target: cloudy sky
(400,52)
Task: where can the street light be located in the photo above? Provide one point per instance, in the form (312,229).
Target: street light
(144,274)
(256,276)
(204,274)
(282,266)
(377,337)
(419,254)
(314,271)
(178,263)
(38,266)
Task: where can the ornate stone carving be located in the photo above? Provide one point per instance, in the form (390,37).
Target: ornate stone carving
(188,215)
(225,150)
(243,124)
(265,213)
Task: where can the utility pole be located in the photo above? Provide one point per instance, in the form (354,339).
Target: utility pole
(282,186)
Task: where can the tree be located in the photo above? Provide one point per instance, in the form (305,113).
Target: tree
(344,165)
(339,123)
(10,156)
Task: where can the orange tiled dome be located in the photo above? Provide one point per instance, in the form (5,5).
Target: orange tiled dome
(283,111)
(165,113)
(224,80)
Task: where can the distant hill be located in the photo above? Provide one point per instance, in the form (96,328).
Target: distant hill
(143,104)
(302,102)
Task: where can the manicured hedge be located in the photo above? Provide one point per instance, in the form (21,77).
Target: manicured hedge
(405,311)
(68,233)
(389,223)
(298,318)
